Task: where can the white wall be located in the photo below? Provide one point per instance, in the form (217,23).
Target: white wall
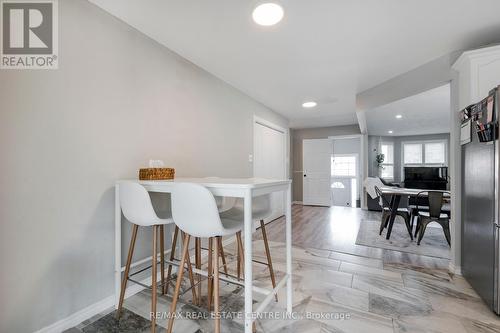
(346,146)
(428,76)
(117,100)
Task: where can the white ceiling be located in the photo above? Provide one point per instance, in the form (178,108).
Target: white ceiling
(425,113)
(323,50)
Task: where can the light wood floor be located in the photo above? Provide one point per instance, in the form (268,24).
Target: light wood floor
(336,229)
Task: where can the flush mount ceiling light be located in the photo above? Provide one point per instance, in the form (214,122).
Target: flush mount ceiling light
(398,116)
(390,132)
(309,105)
(267,14)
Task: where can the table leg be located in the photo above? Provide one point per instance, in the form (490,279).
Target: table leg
(288,236)
(248,261)
(394,208)
(118,245)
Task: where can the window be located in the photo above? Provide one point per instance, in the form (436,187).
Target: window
(424,153)
(412,153)
(344,166)
(435,153)
(387,167)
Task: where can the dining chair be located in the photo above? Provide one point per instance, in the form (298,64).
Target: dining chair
(261,210)
(137,208)
(195,212)
(433,214)
(387,211)
(424,207)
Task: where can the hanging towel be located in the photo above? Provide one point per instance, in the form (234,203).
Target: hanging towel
(370,184)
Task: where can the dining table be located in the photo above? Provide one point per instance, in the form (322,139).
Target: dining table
(396,193)
(245,188)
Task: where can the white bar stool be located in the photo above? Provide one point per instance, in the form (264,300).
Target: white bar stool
(195,212)
(261,209)
(223,204)
(137,208)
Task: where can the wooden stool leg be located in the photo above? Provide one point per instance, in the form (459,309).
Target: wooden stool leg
(172,257)
(216,284)
(241,255)
(197,245)
(191,276)
(154,262)
(135,227)
(162,258)
(210,274)
(268,254)
(178,284)
(223,256)
(238,259)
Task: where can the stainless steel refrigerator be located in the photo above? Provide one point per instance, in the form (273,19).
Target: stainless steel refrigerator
(480,205)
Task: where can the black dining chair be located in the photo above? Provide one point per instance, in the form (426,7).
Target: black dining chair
(386,213)
(414,208)
(433,213)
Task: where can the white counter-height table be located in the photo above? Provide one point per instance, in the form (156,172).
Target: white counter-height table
(245,188)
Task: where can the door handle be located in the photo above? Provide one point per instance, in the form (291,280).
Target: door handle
(305,175)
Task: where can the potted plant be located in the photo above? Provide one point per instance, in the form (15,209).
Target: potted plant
(379,158)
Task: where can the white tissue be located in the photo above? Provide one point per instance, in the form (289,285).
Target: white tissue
(156,164)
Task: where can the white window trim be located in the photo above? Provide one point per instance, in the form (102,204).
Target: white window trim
(423,142)
(391,143)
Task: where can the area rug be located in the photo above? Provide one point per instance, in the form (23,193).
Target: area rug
(433,244)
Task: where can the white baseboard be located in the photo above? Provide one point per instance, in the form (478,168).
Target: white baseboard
(91,310)
(102,305)
(296,202)
(457,270)
(79,316)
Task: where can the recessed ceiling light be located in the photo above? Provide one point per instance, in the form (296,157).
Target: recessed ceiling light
(390,132)
(398,116)
(267,14)
(309,105)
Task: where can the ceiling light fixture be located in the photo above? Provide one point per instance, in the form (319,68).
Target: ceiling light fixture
(309,105)
(390,132)
(398,116)
(267,14)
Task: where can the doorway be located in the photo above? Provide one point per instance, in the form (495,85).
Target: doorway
(333,171)
(346,184)
(345,179)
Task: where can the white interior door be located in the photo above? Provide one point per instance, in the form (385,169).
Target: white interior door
(270,160)
(317,159)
